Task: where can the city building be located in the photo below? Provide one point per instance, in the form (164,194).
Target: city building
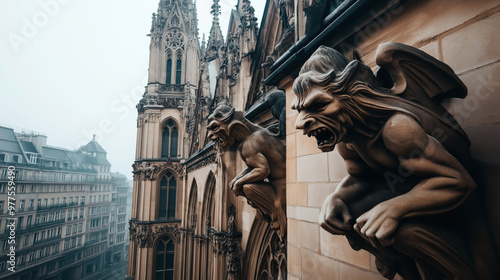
(70,209)
(185,221)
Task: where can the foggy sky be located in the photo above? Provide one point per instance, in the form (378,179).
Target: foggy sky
(70,69)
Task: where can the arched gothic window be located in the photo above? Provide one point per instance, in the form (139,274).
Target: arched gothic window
(169,68)
(169,140)
(168,190)
(165,260)
(178,70)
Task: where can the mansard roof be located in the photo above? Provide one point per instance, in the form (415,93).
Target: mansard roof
(92,146)
(28,147)
(10,144)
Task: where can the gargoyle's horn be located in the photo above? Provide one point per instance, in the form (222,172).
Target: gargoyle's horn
(228,115)
(222,113)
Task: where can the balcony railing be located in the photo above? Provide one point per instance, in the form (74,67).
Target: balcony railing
(46,240)
(40,225)
(43,178)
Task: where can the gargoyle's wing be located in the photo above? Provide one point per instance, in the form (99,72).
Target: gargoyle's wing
(417,76)
(238,130)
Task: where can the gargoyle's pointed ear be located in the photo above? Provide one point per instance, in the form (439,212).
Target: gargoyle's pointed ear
(356,56)
(238,130)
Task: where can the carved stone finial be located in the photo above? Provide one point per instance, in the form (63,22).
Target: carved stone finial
(399,145)
(215,10)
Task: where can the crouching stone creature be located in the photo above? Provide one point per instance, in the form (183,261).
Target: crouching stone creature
(409,197)
(263,181)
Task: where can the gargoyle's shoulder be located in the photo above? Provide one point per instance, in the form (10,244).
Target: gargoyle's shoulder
(402,134)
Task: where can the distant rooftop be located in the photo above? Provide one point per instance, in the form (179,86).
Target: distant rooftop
(24,147)
(21,130)
(92,146)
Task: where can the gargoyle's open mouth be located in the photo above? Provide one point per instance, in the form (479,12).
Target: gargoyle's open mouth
(325,138)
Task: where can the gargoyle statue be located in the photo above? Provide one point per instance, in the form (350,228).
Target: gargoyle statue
(409,196)
(263,182)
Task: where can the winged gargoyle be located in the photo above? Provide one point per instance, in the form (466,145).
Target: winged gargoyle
(263,181)
(409,196)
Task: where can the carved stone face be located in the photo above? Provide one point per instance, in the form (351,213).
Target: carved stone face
(218,126)
(218,132)
(321,116)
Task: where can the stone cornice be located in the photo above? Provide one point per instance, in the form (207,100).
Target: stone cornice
(147,170)
(145,235)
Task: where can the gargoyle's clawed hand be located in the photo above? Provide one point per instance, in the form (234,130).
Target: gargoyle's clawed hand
(335,216)
(378,224)
(236,186)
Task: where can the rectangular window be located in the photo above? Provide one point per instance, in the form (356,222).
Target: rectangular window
(20,222)
(33,158)
(178,71)
(169,71)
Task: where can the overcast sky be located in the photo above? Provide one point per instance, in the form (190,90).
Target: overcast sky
(73,68)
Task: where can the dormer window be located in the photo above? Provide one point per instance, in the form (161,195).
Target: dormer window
(17,158)
(33,158)
(4,157)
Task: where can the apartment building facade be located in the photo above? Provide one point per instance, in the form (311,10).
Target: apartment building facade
(67,208)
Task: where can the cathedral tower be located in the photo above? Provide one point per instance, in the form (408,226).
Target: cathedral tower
(162,129)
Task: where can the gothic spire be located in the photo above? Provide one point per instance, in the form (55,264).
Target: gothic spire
(215,39)
(215,11)
(195,18)
(248,13)
(203,42)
